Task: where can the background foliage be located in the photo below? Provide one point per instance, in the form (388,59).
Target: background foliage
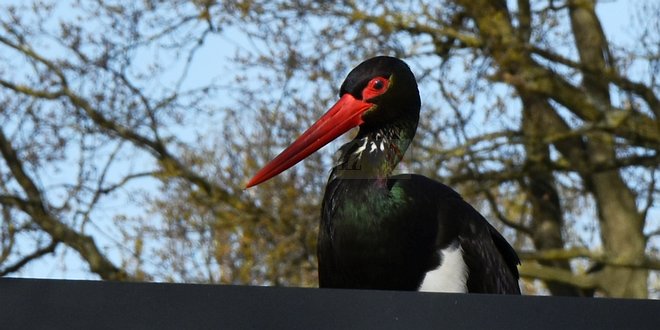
(129,129)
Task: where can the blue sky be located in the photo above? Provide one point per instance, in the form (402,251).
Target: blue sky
(617,21)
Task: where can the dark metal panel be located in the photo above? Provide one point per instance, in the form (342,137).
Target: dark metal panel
(52,304)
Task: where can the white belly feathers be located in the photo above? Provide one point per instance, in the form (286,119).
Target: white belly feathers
(450,276)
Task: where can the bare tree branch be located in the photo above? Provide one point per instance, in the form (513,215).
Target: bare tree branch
(609,74)
(34,206)
(546,273)
(50,248)
(599,257)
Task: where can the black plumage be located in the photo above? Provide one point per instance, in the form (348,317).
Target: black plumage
(393,232)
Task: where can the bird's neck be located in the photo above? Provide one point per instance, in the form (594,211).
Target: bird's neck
(374,153)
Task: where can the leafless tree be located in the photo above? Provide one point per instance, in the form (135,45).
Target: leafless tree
(529,108)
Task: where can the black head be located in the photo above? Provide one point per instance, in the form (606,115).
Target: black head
(379,94)
(388,83)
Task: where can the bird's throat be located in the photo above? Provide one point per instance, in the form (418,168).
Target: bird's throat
(371,155)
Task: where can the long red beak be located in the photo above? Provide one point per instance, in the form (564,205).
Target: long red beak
(344,115)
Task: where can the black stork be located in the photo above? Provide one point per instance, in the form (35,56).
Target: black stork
(393,232)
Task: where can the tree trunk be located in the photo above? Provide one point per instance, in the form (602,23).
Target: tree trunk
(547,219)
(620,222)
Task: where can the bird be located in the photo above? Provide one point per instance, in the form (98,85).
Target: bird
(384,231)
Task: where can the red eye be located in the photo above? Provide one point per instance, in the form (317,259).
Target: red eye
(375,87)
(378,84)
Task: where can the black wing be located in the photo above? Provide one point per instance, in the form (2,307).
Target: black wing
(489,257)
(492,261)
